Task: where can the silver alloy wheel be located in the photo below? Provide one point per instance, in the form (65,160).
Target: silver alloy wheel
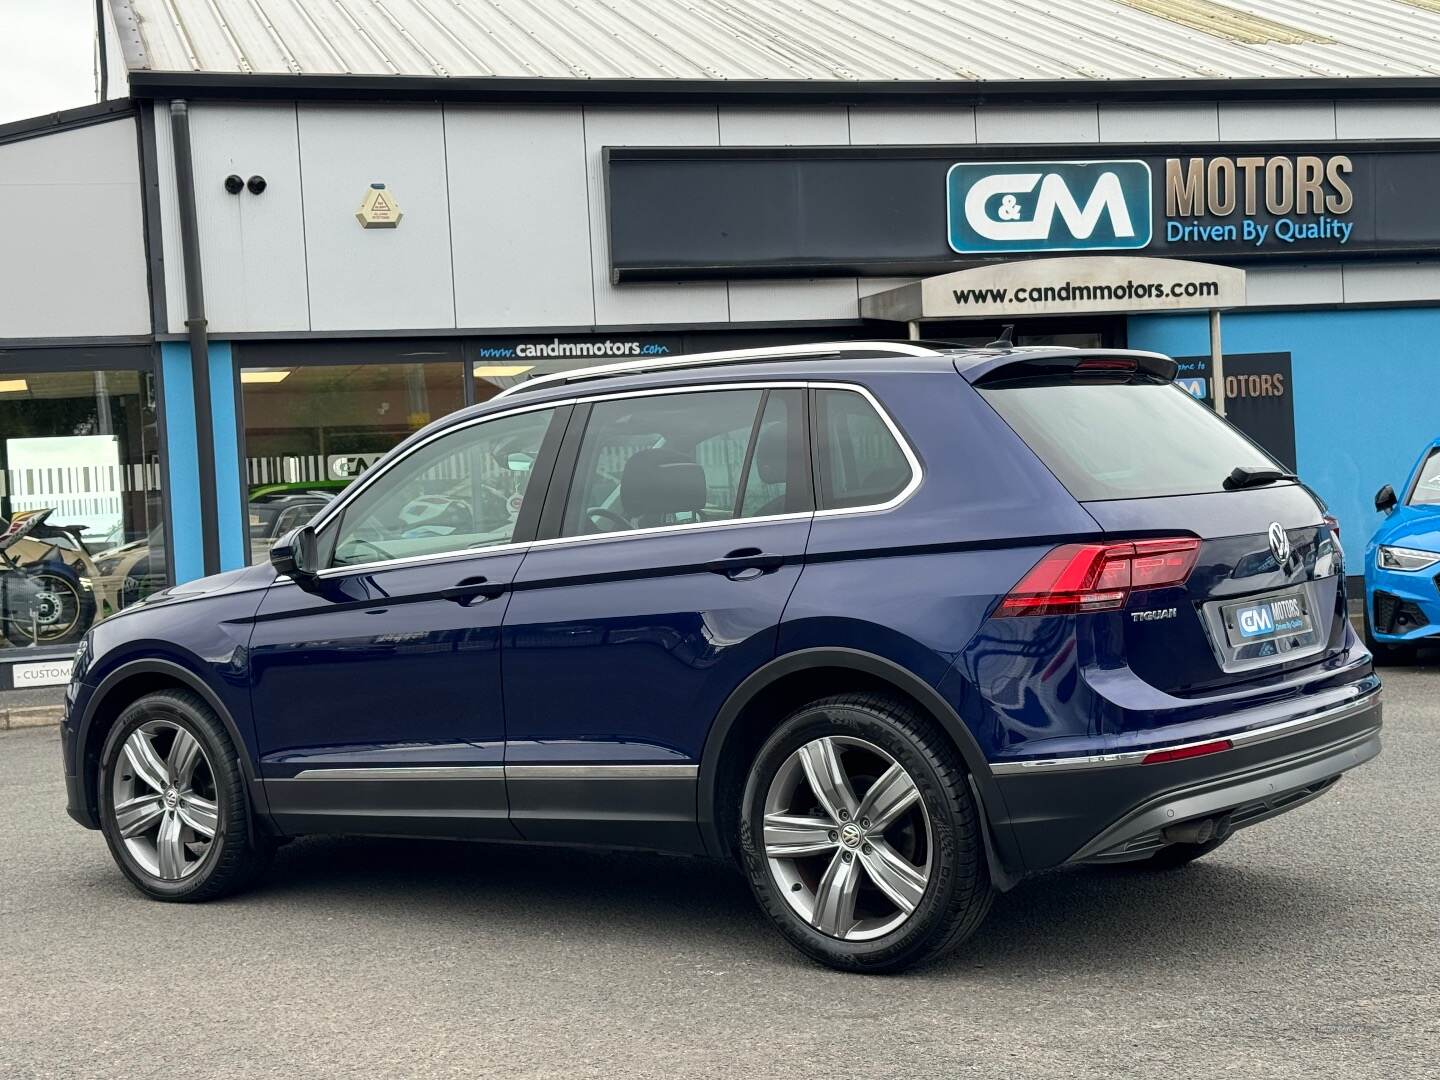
(163,794)
(847,838)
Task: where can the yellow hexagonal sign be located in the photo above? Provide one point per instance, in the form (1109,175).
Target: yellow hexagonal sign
(378,210)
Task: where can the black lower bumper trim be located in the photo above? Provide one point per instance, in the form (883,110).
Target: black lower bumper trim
(1080,815)
(1236,804)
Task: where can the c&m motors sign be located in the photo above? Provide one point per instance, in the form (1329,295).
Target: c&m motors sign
(916,211)
(1048,206)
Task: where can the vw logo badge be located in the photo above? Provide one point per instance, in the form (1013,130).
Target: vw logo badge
(1279,543)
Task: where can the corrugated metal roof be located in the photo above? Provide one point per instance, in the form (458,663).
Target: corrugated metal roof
(822,40)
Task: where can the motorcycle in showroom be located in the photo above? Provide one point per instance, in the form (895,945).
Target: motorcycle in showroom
(47,581)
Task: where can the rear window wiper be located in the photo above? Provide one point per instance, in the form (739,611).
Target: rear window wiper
(1244,476)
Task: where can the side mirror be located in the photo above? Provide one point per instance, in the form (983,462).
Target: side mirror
(1385,499)
(294,556)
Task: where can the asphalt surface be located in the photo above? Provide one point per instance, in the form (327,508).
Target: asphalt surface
(1307,947)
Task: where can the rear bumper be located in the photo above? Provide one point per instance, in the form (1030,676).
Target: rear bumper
(1111,808)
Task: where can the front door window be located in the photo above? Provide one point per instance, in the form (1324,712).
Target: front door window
(310,430)
(464,491)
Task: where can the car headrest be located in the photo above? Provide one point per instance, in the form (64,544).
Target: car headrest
(772,452)
(659,482)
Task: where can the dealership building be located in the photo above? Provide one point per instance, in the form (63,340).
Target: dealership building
(300,230)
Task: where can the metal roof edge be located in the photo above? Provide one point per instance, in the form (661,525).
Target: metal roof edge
(145,84)
(127,29)
(66,120)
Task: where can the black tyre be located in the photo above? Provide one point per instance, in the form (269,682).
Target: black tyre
(860,837)
(1385,653)
(172,801)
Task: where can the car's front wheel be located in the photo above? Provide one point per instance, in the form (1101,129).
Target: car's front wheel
(860,836)
(172,801)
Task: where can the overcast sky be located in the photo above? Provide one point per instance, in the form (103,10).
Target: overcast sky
(47,57)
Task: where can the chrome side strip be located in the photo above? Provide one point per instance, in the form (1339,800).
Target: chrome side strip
(503,772)
(1049,766)
(601,772)
(406,772)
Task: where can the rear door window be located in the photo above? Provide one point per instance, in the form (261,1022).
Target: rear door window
(1125,440)
(660,460)
(858,460)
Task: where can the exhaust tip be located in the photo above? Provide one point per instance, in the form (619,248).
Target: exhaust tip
(1194,832)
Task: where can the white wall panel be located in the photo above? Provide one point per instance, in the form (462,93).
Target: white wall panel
(818,298)
(252,247)
(376,279)
(72,261)
(518,217)
(1387,120)
(1159,123)
(1293,285)
(682,302)
(1036,123)
(1388,283)
(1269,121)
(879,124)
(172,252)
(744,126)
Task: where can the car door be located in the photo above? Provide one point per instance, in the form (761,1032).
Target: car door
(376,693)
(671,538)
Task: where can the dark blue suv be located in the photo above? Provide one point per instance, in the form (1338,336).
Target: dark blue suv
(889,625)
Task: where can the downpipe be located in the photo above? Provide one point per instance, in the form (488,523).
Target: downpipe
(195,326)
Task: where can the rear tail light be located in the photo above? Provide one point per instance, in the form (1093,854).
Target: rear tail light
(1180,753)
(1333,524)
(1077,578)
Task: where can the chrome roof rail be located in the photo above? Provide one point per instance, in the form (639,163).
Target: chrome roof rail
(819,350)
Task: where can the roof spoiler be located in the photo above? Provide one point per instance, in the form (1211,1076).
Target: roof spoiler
(1115,362)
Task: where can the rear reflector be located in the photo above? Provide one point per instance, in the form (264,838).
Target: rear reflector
(1180,753)
(1077,578)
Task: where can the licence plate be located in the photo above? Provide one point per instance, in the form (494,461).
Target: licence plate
(1282,617)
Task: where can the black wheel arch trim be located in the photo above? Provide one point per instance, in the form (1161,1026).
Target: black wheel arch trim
(107,686)
(1000,846)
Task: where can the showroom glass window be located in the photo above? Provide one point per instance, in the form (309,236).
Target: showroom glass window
(81,511)
(317,418)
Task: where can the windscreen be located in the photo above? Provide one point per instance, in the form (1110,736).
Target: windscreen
(1427,484)
(1109,439)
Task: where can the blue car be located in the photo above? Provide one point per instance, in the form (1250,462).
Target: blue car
(886,626)
(1402,566)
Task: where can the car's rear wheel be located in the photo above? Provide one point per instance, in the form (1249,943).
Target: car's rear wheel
(860,836)
(172,801)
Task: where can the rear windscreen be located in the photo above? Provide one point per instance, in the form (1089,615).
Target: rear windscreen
(1125,440)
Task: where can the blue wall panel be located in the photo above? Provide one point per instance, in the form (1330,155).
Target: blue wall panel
(230,510)
(183,471)
(183,474)
(1366,393)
